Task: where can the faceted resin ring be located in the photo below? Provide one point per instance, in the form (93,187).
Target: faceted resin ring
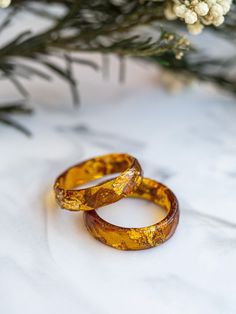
(138,238)
(104,193)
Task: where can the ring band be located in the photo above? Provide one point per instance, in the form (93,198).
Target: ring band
(104,193)
(138,238)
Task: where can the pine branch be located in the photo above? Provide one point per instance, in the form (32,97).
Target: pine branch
(205,69)
(86,26)
(105,26)
(6,112)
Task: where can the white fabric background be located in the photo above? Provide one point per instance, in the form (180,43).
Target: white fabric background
(48,261)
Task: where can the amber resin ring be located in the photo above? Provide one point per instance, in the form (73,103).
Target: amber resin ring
(104,193)
(138,238)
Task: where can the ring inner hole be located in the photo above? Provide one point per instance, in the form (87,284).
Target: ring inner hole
(132,212)
(95,182)
(87,174)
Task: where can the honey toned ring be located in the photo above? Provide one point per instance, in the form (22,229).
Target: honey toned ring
(138,238)
(104,193)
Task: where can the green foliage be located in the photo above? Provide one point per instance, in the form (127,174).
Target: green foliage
(104,26)
(6,112)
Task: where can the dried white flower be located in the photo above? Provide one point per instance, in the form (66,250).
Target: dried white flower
(180,10)
(201,8)
(211,2)
(169,13)
(216,10)
(218,21)
(190,17)
(198,13)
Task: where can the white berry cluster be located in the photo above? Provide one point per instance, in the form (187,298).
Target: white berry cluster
(197,13)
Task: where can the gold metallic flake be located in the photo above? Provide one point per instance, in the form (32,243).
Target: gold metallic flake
(138,238)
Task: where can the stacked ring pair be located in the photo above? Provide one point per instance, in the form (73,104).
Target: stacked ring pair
(129,183)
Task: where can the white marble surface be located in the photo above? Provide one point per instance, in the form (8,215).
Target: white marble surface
(50,264)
